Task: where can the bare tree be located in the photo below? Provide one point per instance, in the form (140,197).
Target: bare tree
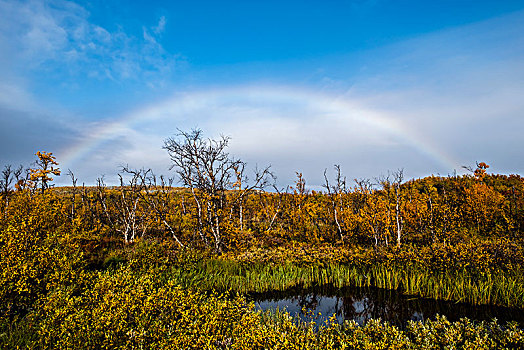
(123,208)
(367,193)
(5,183)
(392,190)
(74,180)
(206,168)
(335,193)
(103,199)
(385,183)
(243,188)
(7,177)
(21,181)
(155,194)
(278,206)
(132,216)
(398,178)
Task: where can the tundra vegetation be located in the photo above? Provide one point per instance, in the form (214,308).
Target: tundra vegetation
(148,265)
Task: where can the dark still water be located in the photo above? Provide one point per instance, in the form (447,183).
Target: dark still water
(362,304)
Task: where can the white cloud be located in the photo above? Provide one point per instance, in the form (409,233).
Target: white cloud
(58,36)
(161,26)
(293,129)
(14,97)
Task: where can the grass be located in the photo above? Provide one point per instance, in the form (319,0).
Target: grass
(504,289)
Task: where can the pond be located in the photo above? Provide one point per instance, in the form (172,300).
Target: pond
(362,304)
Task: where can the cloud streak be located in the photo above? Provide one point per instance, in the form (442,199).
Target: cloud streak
(58,37)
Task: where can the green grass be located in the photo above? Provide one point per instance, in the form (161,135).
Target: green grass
(505,289)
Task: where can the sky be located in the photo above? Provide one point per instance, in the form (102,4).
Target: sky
(371,85)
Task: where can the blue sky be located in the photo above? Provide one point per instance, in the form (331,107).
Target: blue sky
(427,86)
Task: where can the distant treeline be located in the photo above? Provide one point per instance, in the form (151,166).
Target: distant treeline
(384,212)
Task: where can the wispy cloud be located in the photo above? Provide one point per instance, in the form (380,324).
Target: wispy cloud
(161,26)
(58,37)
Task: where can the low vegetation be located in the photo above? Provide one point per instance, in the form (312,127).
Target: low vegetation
(148,265)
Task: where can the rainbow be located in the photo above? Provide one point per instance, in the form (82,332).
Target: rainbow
(333,108)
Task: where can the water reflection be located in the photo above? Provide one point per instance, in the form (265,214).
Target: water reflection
(362,304)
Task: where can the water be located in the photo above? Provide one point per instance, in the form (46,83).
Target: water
(362,304)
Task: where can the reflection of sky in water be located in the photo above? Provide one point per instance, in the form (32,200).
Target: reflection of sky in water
(417,316)
(360,305)
(325,305)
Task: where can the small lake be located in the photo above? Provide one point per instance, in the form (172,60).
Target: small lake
(362,304)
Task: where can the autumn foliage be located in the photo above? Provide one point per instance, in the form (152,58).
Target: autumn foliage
(108,266)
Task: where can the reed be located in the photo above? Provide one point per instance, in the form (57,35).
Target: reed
(491,287)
